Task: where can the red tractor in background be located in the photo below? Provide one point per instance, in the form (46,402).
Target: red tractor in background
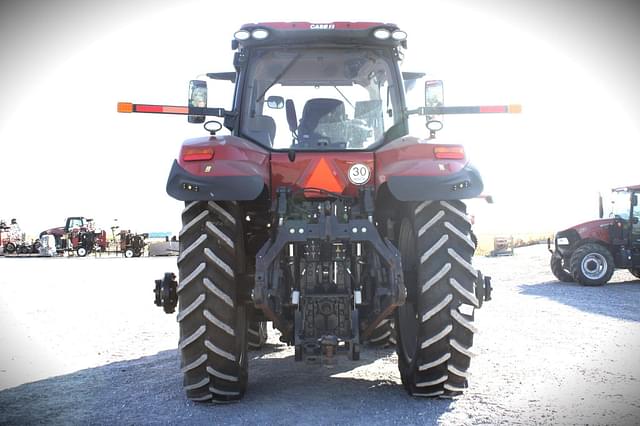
(319,213)
(590,252)
(78,235)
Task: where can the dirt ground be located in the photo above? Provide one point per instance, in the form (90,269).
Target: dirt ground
(81,342)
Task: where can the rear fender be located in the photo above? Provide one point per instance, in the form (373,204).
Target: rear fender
(238,170)
(410,170)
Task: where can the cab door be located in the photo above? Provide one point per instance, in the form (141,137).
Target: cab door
(635,229)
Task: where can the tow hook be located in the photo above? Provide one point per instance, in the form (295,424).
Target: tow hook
(483,289)
(166,292)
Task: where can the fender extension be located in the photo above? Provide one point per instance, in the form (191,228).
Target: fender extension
(464,184)
(184,186)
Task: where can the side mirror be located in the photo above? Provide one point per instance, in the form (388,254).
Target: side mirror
(434,97)
(275,102)
(433,93)
(197,98)
(634,200)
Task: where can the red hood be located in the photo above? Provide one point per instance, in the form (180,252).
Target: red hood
(54,231)
(597,229)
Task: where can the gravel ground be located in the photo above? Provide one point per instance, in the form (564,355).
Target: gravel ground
(81,342)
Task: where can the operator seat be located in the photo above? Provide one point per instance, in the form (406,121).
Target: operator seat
(321,117)
(262,129)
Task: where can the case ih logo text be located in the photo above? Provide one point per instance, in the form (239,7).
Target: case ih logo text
(322,26)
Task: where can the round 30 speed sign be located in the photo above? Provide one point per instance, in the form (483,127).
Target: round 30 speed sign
(359,174)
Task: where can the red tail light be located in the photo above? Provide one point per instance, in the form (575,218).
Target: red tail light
(197,154)
(449,152)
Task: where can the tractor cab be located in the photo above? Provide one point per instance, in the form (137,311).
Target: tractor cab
(626,212)
(75,223)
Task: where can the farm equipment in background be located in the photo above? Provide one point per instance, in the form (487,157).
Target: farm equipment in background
(132,245)
(502,246)
(78,235)
(47,246)
(328,225)
(12,240)
(4,237)
(590,252)
(126,242)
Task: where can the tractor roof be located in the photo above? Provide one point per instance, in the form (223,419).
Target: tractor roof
(628,188)
(332,33)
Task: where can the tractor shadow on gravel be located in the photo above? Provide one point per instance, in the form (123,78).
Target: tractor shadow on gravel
(149,390)
(617,299)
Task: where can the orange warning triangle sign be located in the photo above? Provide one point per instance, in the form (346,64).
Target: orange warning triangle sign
(324,177)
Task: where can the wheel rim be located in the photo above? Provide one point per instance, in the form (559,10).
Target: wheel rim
(82,252)
(594,266)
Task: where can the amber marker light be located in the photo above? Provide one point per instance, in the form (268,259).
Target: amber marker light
(514,109)
(449,152)
(125,107)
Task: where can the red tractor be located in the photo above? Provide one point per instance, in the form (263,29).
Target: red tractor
(78,235)
(589,253)
(321,214)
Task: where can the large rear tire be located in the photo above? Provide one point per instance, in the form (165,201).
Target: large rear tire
(592,265)
(211,314)
(257,334)
(434,326)
(384,335)
(558,269)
